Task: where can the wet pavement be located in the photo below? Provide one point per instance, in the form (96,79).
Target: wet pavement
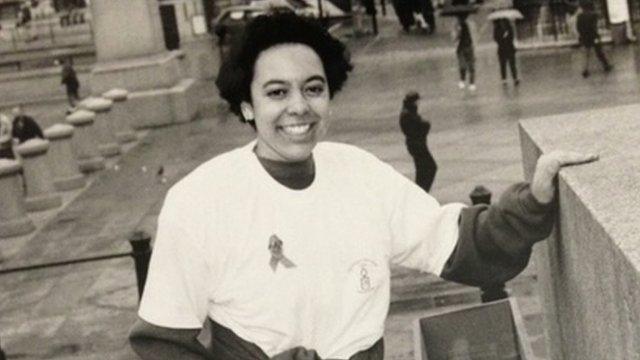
(84,311)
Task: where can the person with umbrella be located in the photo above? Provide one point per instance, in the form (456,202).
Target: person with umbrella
(503,35)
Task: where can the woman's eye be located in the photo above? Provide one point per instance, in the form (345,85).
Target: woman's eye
(314,90)
(277,93)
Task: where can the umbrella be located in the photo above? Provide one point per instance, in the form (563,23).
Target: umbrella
(455,10)
(510,14)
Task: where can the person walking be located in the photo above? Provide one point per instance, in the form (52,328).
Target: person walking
(71,83)
(587,26)
(464,52)
(24,127)
(415,130)
(503,35)
(404,12)
(6,139)
(424,8)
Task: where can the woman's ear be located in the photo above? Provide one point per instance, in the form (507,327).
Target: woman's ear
(247,111)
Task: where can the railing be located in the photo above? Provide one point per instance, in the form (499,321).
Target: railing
(65,30)
(140,243)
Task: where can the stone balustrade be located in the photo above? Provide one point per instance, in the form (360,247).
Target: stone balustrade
(64,167)
(40,194)
(13,215)
(120,116)
(85,142)
(106,135)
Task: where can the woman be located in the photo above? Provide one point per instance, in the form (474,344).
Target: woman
(283,247)
(503,35)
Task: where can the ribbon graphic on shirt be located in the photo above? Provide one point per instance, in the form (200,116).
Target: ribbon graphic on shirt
(277,254)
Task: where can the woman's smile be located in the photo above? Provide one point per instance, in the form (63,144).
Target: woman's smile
(289,102)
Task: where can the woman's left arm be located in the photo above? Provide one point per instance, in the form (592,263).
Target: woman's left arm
(494,243)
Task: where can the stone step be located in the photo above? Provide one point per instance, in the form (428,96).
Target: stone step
(412,290)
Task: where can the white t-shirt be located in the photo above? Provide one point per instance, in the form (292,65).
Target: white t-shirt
(339,236)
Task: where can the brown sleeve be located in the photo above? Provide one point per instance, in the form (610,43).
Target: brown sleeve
(494,243)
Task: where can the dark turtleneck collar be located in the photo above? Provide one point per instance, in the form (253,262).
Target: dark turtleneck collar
(297,175)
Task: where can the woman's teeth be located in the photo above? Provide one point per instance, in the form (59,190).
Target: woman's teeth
(296,129)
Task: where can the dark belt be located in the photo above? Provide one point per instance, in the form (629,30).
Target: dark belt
(226,345)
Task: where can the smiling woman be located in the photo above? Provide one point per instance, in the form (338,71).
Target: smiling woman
(282,248)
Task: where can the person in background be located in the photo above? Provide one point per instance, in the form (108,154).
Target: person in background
(282,248)
(415,130)
(465,52)
(425,9)
(503,35)
(587,25)
(404,12)
(71,83)
(24,127)
(6,139)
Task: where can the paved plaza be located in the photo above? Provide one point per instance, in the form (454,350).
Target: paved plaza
(85,311)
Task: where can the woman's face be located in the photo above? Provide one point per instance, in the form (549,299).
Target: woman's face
(289,102)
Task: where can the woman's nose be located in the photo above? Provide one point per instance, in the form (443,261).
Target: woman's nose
(298,104)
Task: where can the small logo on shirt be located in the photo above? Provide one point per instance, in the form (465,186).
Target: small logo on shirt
(277,254)
(365,275)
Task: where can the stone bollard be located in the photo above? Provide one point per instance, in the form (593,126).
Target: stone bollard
(107,142)
(64,168)
(13,215)
(120,118)
(85,142)
(37,176)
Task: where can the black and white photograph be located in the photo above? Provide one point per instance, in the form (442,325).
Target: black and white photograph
(319,179)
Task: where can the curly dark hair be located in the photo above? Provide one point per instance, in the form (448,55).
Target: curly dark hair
(265,31)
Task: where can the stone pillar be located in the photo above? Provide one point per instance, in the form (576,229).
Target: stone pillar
(85,142)
(37,176)
(104,127)
(131,54)
(589,269)
(13,216)
(120,117)
(64,167)
(126,29)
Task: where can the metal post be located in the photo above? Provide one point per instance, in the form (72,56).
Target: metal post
(141,244)
(482,195)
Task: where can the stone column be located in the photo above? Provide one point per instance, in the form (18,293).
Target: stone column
(37,176)
(64,167)
(126,28)
(120,117)
(13,216)
(85,142)
(108,144)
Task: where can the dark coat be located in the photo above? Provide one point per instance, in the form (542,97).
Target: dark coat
(587,26)
(25,128)
(503,35)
